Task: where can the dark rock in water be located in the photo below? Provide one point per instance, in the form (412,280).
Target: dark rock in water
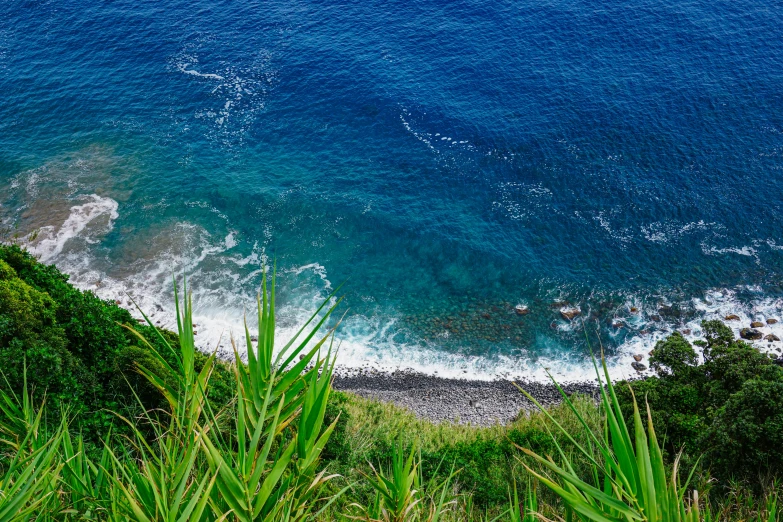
(731,317)
(634,309)
(618,324)
(637,357)
(756,324)
(750,334)
(570,312)
(656,318)
(687,331)
(521,309)
(772,338)
(772,321)
(639,367)
(670,311)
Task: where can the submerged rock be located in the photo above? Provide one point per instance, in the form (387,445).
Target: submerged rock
(672,311)
(521,309)
(750,334)
(569,312)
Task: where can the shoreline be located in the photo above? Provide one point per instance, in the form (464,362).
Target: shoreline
(462,401)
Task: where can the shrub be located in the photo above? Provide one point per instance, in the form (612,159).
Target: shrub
(747,434)
(75,345)
(697,405)
(29,334)
(673,355)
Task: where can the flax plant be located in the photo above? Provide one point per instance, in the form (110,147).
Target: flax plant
(167,484)
(402,493)
(629,479)
(269,470)
(87,483)
(31,472)
(280,406)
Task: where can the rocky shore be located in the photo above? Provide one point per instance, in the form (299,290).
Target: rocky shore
(481,403)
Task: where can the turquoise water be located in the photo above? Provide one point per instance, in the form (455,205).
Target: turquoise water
(446,160)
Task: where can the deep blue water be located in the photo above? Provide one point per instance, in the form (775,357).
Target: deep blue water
(447,160)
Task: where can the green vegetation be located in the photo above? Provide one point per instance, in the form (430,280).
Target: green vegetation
(727,410)
(633,474)
(79,350)
(102,418)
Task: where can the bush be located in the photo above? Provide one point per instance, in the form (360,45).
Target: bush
(698,405)
(338,447)
(78,348)
(29,334)
(673,355)
(747,434)
(92,326)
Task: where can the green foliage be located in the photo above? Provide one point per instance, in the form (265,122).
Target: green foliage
(714,407)
(673,355)
(399,489)
(748,430)
(338,447)
(484,456)
(176,464)
(127,362)
(29,331)
(525,511)
(629,479)
(78,350)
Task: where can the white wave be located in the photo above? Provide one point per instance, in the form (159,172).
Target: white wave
(51,241)
(184,68)
(239,92)
(665,231)
(224,280)
(742,251)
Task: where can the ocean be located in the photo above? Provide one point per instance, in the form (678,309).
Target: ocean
(446,162)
